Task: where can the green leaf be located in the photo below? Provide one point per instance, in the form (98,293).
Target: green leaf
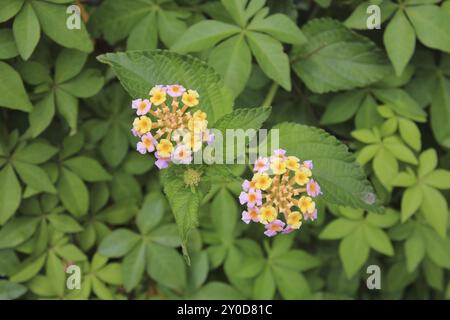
(279,26)
(297,260)
(402,103)
(236,9)
(68,108)
(64,223)
(378,240)
(69,63)
(12,91)
(8,48)
(139,71)
(217,291)
(395,146)
(291,284)
(400,41)
(224,224)
(342,180)
(342,107)
(42,115)
(411,201)
(118,243)
(36,153)
(70,252)
(34,177)
(354,251)
(87,169)
(271,58)
(203,35)
(85,85)
(133,267)
(440,112)
(358,18)
(385,220)
(436,247)
(410,133)
(338,229)
(55,273)
(336,59)
(427,162)
(233,61)
(264,288)
(431,24)
(439,179)
(10,193)
(414,250)
(111,273)
(434,208)
(52,18)
(158,258)
(151,212)
(10,290)
(17,231)
(26,31)
(385,167)
(9,9)
(73,193)
(183,201)
(28,269)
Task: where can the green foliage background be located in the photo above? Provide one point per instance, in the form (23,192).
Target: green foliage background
(74,191)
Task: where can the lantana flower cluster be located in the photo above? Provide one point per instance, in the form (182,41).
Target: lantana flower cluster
(165,127)
(280,194)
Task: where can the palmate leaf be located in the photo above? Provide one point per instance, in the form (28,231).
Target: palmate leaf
(342,180)
(139,71)
(335,58)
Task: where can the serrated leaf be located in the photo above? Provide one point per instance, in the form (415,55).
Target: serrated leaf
(335,58)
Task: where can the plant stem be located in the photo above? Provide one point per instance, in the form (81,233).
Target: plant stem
(270,95)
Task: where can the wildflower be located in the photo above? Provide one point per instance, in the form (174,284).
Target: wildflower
(311,215)
(164,148)
(282,196)
(251,198)
(262,181)
(252,214)
(294,220)
(306,205)
(182,155)
(274,227)
(313,188)
(142,106)
(308,164)
(261,165)
(174,132)
(158,95)
(302,176)
(268,214)
(292,163)
(142,125)
(278,166)
(190,98)
(147,144)
(175,90)
(161,162)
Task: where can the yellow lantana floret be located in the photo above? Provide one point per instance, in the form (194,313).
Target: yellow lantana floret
(164,148)
(142,125)
(267,214)
(302,176)
(262,181)
(278,166)
(292,163)
(158,96)
(294,220)
(190,98)
(306,204)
